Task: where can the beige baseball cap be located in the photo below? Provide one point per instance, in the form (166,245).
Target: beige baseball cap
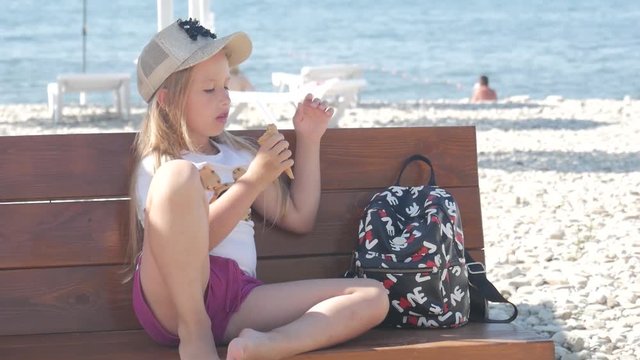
(181,45)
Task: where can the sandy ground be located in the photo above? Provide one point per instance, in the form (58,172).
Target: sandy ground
(560,191)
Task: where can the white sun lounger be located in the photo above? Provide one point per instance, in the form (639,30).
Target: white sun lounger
(343,92)
(240,100)
(82,83)
(337,84)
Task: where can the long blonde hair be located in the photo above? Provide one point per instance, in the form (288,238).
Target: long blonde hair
(164,136)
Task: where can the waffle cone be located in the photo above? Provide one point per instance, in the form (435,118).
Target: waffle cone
(270,131)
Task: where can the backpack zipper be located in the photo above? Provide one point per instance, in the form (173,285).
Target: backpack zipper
(361,271)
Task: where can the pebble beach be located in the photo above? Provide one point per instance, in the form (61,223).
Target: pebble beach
(560,192)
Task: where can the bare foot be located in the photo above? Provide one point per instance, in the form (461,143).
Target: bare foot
(251,344)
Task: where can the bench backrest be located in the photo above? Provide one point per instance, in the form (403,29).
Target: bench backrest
(63,218)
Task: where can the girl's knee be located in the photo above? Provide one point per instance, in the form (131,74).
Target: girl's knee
(381,294)
(376,293)
(176,179)
(178,169)
(380,297)
(372,284)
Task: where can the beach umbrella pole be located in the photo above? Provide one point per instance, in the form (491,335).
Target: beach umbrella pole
(84,35)
(83,96)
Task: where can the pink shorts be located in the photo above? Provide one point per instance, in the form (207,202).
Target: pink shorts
(228,287)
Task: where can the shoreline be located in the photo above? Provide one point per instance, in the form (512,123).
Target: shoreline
(560,192)
(553,112)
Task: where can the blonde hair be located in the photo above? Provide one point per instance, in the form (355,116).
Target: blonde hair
(164,136)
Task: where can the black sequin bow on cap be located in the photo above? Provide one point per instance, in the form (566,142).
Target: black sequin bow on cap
(193,28)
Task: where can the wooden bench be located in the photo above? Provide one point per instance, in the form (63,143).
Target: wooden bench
(63,215)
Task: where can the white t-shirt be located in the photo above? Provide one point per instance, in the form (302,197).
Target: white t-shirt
(239,245)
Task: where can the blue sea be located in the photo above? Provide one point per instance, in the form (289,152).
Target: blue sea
(409,49)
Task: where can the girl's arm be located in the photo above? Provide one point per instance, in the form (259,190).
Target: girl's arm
(225,213)
(310,122)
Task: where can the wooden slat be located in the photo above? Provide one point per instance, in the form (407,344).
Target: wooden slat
(121,345)
(94,233)
(372,159)
(473,341)
(97,165)
(92,298)
(64,166)
(63,234)
(290,269)
(54,300)
(385,337)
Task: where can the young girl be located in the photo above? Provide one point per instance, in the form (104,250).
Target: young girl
(194,282)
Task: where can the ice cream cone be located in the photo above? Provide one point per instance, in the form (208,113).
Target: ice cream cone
(270,131)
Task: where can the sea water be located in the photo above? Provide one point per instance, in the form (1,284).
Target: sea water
(409,49)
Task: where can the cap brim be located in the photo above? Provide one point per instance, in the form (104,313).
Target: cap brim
(236,46)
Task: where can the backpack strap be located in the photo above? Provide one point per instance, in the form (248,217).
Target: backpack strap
(412,158)
(481,291)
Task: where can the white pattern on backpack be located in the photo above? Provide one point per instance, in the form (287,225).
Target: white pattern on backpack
(451,207)
(446,229)
(439,192)
(400,242)
(416,295)
(435,309)
(389,225)
(398,190)
(390,198)
(421,278)
(413,210)
(456,295)
(370,244)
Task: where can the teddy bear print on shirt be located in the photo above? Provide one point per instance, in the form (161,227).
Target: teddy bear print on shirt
(211,181)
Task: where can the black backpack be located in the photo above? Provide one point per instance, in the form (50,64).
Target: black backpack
(411,240)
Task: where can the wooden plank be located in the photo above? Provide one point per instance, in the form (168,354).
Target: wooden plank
(97,165)
(121,345)
(291,269)
(64,166)
(474,341)
(372,158)
(63,234)
(68,299)
(93,298)
(94,233)
(478,255)
(296,268)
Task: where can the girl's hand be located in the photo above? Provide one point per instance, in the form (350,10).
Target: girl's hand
(312,118)
(272,158)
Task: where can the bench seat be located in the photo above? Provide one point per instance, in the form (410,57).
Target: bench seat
(477,341)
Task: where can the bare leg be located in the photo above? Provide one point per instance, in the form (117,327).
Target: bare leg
(175,259)
(281,320)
